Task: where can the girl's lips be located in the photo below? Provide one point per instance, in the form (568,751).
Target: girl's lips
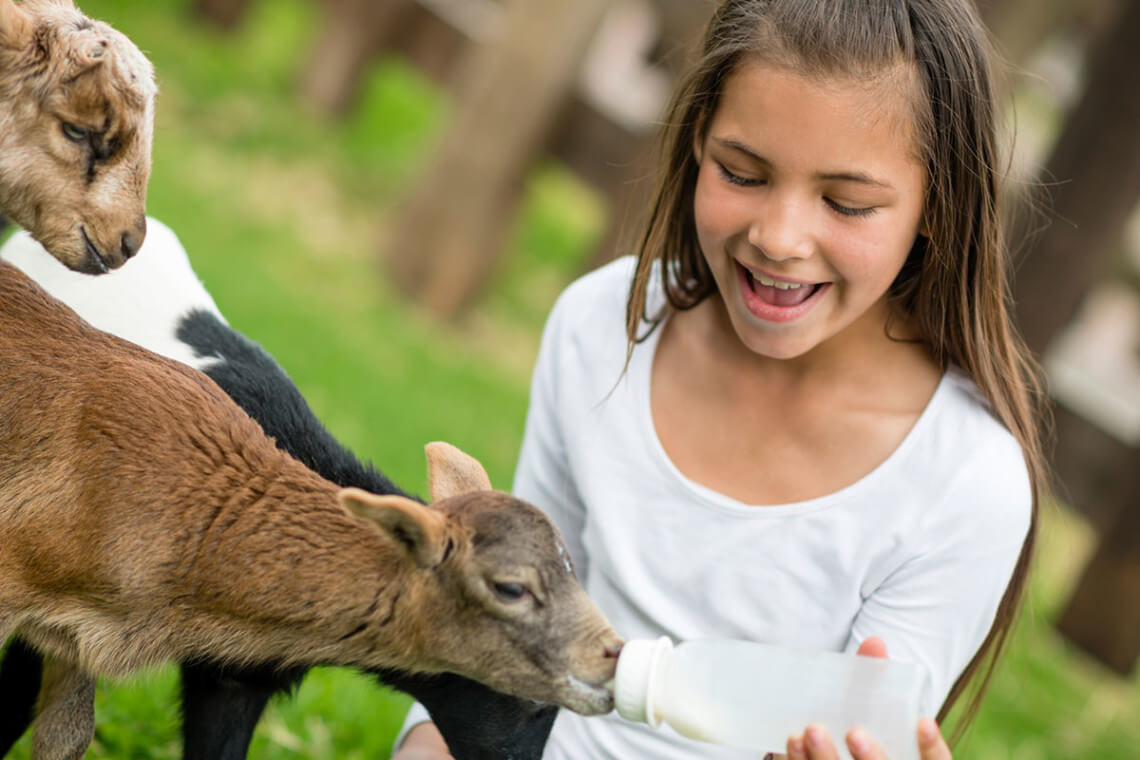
(772,304)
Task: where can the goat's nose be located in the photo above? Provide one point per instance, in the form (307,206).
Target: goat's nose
(614,649)
(132,241)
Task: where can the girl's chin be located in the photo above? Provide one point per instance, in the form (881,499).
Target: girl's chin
(772,340)
(779,349)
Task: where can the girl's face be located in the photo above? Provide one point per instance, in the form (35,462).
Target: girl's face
(808,200)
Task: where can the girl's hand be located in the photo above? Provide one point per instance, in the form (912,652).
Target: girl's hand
(815,744)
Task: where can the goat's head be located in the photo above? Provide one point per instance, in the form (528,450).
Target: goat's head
(500,602)
(76,127)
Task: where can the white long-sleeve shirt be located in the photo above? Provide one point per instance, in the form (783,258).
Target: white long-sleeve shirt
(918,552)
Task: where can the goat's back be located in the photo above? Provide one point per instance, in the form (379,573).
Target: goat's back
(143,303)
(66,383)
(109,454)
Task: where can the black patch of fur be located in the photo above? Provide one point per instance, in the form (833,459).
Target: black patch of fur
(261,387)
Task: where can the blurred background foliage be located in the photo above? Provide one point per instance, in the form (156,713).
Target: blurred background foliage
(282,210)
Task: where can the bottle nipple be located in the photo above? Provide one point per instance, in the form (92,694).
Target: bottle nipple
(639,672)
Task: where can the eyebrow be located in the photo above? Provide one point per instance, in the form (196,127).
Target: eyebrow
(860,177)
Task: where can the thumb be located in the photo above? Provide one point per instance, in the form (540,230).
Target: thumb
(873,646)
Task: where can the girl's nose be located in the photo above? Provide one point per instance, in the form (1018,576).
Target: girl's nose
(781,228)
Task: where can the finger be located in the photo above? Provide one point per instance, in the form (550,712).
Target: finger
(873,646)
(931,745)
(796,749)
(862,746)
(818,744)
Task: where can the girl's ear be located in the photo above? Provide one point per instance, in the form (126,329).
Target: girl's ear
(924,226)
(699,139)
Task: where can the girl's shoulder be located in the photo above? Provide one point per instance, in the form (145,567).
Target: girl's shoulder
(594,305)
(605,287)
(972,448)
(966,412)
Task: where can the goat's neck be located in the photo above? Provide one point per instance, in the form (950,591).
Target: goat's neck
(280,559)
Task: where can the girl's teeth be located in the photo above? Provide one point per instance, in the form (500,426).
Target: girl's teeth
(774,284)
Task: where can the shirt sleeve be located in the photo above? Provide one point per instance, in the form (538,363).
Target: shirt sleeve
(544,476)
(937,607)
(417,715)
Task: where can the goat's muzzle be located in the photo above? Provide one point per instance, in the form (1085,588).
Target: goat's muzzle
(100,260)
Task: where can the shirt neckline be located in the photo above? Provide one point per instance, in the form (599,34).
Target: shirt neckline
(641,375)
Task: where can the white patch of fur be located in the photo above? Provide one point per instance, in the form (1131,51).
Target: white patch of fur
(143,301)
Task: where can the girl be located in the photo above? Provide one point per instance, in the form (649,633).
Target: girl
(802,415)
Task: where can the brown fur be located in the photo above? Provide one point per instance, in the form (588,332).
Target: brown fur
(82,196)
(147,518)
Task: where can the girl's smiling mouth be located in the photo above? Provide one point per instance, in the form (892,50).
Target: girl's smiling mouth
(777,300)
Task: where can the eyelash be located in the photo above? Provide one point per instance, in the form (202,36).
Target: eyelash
(736,179)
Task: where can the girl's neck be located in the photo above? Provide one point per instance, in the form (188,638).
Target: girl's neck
(777,431)
(877,347)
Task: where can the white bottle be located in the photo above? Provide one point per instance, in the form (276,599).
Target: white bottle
(754,696)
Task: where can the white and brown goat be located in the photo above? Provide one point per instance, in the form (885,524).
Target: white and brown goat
(76,127)
(147,518)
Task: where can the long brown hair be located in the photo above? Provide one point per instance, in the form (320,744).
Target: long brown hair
(954,285)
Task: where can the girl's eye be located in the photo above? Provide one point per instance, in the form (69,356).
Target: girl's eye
(509,592)
(849,210)
(736,179)
(74,132)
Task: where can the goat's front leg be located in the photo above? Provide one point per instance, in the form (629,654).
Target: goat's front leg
(65,713)
(19,690)
(222,704)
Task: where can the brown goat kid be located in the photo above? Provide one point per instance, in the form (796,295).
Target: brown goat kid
(147,518)
(76,127)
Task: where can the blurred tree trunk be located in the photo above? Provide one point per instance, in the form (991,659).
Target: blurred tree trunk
(227,14)
(1093,176)
(1021,26)
(1103,614)
(447,237)
(352,33)
(629,193)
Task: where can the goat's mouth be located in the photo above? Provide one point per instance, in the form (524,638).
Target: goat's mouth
(93,262)
(588,698)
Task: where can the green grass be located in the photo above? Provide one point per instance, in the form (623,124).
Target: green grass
(282,212)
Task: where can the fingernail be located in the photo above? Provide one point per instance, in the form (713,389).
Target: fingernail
(927,730)
(814,737)
(796,745)
(859,741)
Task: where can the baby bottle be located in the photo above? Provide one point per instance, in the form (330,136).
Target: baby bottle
(754,696)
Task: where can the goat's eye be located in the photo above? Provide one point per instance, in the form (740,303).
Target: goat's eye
(509,592)
(74,132)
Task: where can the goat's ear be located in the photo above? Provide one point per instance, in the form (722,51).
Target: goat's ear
(15,26)
(451,472)
(418,529)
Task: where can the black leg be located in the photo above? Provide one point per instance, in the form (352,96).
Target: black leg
(476,722)
(221,707)
(20,675)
